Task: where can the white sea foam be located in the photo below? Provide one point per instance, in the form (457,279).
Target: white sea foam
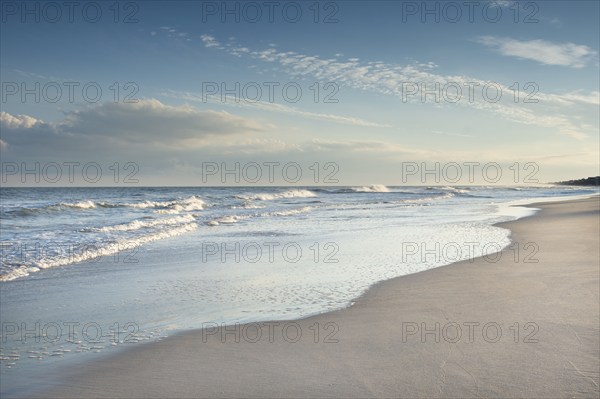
(192,203)
(79,205)
(96,250)
(231,219)
(518,209)
(451,189)
(248,205)
(21,271)
(227,220)
(140,224)
(375,188)
(290,212)
(149,204)
(285,194)
(166,211)
(427,199)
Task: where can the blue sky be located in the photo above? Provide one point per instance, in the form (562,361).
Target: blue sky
(373,59)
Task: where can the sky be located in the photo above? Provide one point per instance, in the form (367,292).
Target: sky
(303,93)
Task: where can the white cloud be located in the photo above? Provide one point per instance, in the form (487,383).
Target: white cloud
(151,125)
(451,134)
(142,123)
(8,121)
(278,108)
(591,98)
(545,52)
(151,120)
(210,41)
(364,147)
(393,79)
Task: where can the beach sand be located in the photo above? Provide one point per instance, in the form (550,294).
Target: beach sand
(547,313)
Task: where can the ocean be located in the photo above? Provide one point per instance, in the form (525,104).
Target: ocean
(88,271)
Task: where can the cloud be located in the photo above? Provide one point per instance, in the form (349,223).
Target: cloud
(210,41)
(28,139)
(591,98)
(363,147)
(545,52)
(151,120)
(278,108)
(150,126)
(171,32)
(451,134)
(147,122)
(394,80)
(8,121)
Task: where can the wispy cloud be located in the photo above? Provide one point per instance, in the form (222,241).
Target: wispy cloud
(372,147)
(171,32)
(33,75)
(545,52)
(450,134)
(274,107)
(210,41)
(392,79)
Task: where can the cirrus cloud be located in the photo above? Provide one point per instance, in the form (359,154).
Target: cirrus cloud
(545,52)
(397,80)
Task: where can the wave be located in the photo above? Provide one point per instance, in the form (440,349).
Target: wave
(290,212)
(227,220)
(451,189)
(230,219)
(92,251)
(273,196)
(27,211)
(139,224)
(375,188)
(189,204)
(78,205)
(439,196)
(192,203)
(247,205)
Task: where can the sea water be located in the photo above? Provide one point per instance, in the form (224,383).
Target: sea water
(87,271)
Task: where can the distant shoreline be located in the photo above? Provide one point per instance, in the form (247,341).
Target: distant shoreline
(587,182)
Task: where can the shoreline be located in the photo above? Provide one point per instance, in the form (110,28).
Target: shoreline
(319,343)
